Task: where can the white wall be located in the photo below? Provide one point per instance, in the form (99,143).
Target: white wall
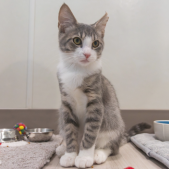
(14,20)
(135,58)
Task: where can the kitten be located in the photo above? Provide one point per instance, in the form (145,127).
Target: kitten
(90,119)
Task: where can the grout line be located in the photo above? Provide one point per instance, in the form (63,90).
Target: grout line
(29,98)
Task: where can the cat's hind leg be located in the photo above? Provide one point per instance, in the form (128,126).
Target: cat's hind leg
(101,155)
(60,150)
(107,144)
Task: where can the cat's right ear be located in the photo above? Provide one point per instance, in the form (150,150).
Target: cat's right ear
(66,18)
(101,24)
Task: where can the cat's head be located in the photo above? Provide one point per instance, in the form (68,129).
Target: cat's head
(79,43)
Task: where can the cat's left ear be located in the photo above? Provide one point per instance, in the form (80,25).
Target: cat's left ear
(101,24)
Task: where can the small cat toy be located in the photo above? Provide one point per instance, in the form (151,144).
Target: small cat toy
(21,127)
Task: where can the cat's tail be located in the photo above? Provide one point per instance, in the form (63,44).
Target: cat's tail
(136,129)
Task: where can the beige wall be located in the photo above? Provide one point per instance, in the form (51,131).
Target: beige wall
(14,20)
(135,58)
(136,55)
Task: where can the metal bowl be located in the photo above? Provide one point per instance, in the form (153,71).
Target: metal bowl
(7,135)
(39,134)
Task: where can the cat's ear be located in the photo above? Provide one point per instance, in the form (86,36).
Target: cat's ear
(66,18)
(101,24)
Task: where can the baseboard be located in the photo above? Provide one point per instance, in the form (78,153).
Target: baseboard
(32,118)
(132,117)
(49,118)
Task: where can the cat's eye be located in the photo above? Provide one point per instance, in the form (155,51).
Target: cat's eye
(95,44)
(77,41)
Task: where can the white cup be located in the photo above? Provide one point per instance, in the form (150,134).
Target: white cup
(161,129)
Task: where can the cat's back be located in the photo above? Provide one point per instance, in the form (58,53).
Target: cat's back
(112,117)
(108,92)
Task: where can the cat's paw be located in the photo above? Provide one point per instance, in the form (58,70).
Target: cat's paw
(83,161)
(99,156)
(68,159)
(60,150)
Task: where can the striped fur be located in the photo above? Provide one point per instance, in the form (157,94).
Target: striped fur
(90,120)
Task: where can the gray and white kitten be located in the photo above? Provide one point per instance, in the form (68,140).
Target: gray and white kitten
(90,119)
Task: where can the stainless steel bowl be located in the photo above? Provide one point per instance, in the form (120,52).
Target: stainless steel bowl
(39,134)
(7,135)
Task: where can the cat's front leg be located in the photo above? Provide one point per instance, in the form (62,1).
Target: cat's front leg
(93,122)
(71,133)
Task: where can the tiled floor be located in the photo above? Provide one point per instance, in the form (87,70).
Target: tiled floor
(129,156)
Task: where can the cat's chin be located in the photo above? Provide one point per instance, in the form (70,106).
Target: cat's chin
(84,64)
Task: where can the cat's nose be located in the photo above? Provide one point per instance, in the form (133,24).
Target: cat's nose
(87,55)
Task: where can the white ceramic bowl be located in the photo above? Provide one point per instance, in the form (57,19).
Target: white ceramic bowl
(161,129)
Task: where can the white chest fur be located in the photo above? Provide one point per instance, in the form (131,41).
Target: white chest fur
(72,79)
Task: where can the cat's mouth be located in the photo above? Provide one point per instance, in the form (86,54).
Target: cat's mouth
(84,61)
